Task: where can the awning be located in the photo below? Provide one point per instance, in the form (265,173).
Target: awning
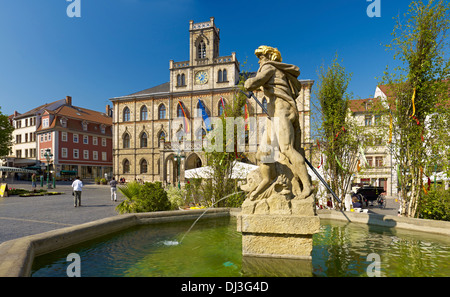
(69,172)
(240,171)
(14,169)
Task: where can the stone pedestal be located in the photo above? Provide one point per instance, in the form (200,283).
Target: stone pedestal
(278,228)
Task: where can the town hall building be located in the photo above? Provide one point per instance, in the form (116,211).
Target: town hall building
(144,123)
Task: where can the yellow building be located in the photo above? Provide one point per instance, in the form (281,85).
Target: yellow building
(146,121)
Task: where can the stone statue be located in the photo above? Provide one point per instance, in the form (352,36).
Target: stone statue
(283,174)
(278,217)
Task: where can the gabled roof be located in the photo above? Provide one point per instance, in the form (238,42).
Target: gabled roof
(162,88)
(79,113)
(359,105)
(40,109)
(159,89)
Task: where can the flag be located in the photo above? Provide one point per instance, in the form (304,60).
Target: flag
(205,116)
(413,104)
(223,106)
(390,129)
(186,120)
(246,116)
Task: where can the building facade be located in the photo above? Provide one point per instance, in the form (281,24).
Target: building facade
(380,168)
(24,146)
(144,123)
(79,139)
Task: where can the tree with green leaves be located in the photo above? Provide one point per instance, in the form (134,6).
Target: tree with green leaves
(6,130)
(219,183)
(340,135)
(418,97)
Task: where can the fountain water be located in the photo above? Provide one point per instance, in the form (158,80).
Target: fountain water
(204,214)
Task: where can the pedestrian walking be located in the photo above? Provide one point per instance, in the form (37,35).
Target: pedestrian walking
(113,184)
(33,182)
(77,186)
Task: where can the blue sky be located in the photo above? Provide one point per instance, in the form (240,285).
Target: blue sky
(118,47)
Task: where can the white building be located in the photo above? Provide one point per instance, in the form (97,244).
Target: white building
(24,148)
(379,169)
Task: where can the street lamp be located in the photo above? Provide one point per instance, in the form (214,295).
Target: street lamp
(48,155)
(179,158)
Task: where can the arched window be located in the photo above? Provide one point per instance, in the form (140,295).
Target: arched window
(219,76)
(126,140)
(180,113)
(162,112)
(143,166)
(264,103)
(178,80)
(201,50)
(183,79)
(144,113)
(126,114)
(126,166)
(201,133)
(144,140)
(161,136)
(224,75)
(221,106)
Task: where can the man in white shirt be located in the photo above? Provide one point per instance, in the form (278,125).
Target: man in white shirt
(77,186)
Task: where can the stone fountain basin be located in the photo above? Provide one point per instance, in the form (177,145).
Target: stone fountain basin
(17,256)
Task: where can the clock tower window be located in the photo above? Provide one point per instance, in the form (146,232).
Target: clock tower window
(181,80)
(201,50)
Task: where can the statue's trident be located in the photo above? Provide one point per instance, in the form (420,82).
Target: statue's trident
(251,95)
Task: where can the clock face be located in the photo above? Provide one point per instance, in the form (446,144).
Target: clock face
(201,77)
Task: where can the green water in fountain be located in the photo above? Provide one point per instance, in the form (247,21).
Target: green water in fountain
(213,248)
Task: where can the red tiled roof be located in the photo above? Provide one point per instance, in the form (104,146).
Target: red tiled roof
(78,113)
(359,105)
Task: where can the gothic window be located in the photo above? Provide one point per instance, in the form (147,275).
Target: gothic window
(201,133)
(126,114)
(183,79)
(161,136)
(199,110)
(219,76)
(143,166)
(144,140)
(126,166)
(178,80)
(162,112)
(126,141)
(180,111)
(224,75)
(144,113)
(221,106)
(201,50)
(264,103)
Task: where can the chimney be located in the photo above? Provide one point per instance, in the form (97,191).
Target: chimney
(108,111)
(69,100)
(15,113)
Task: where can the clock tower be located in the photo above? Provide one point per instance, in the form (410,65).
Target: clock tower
(205,70)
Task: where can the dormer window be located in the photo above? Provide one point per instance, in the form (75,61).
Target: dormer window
(85,125)
(201,50)
(45,123)
(368,105)
(103,128)
(63,122)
